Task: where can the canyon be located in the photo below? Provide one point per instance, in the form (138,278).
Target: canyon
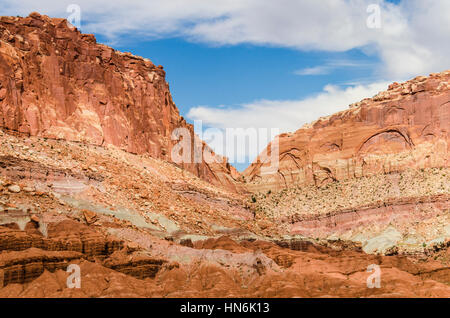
(87,179)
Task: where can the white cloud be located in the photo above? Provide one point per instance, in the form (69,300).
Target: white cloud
(316,70)
(412,40)
(421,44)
(330,66)
(286,115)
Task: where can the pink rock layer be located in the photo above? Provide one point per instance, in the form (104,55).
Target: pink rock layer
(401,211)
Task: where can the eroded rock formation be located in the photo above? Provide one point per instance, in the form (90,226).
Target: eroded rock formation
(407,126)
(58,83)
(158,231)
(376,174)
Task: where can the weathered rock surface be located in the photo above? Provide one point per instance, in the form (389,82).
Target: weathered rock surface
(155,233)
(58,83)
(294,273)
(137,264)
(62,236)
(407,126)
(158,231)
(24,266)
(377,174)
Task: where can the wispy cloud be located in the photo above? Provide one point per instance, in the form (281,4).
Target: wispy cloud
(331,66)
(316,70)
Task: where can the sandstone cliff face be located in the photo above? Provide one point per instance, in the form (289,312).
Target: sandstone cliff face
(406,126)
(58,83)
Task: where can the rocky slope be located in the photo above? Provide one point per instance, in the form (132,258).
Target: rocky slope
(377,174)
(58,83)
(86,179)
(160,231)
(407,126)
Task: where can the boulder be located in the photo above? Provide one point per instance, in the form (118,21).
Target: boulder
(14,188)
(90,217)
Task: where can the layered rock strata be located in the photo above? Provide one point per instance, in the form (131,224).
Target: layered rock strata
(407,126)
(58,83)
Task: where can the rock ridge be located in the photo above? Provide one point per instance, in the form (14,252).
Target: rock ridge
(56,82)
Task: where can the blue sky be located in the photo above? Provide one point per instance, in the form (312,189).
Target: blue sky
(229,76)
(263,63)
(199,74)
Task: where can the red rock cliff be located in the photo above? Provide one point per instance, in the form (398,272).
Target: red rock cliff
(406,126)
(58,83)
